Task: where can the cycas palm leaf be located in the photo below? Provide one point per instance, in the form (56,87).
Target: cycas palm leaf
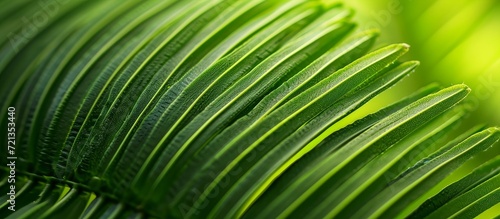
(222,109)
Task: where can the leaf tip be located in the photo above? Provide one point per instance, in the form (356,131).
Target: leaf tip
(414,63)
(494,130)
(401,47)
(462,87)
(404,46)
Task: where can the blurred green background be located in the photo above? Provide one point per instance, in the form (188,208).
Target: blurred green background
(456,41)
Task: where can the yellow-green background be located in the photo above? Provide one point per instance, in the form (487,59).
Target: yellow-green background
(456,41)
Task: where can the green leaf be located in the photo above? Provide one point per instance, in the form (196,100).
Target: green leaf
(413,182)
(338,166)
(223,109)
(457,196)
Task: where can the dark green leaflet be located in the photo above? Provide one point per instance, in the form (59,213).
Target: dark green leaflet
(55,127)
(14,91)
(272,120)
(355,153)
(42,36)
(427,173)
(119,100)
(47,198)
(268,64)
(130,42)
(103,208)
(430,152)
(391,174)
(5,188)
(23,44)
(327,146)
(378,172)
(438,203)
(24,195)
(9,9)
(214,85)
(263,81)
(141,109)
(330,62)
(240,68)
(68,97)
(295,142)
(473,202)
(123,73)
(37,105)
(132,152)
(71,205)
(17,33)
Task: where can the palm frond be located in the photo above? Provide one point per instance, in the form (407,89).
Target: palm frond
(221,109)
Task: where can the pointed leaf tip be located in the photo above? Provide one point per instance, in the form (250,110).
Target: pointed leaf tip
(370,32)
(401,46)
(461,87)
(494,130)
(413,64)
(404,46)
